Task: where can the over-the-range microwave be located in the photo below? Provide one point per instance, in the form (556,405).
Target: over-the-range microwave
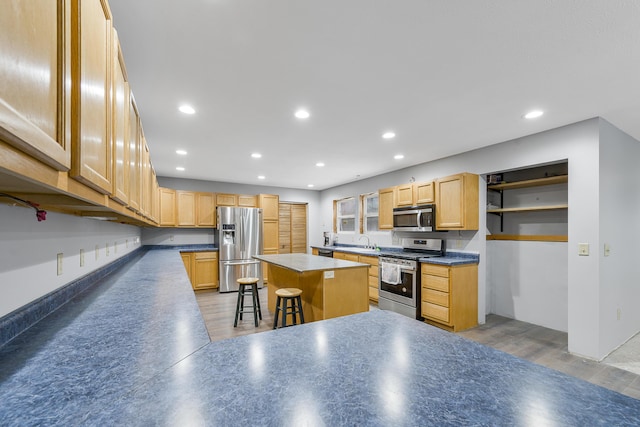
(414,218)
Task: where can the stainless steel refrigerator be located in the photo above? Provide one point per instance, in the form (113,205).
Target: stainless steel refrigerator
(240,238)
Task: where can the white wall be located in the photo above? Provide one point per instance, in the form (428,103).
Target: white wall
(528,281)
(619,228)
(28,265)
(579,144)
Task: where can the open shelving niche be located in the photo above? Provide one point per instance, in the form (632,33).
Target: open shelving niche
(558,177)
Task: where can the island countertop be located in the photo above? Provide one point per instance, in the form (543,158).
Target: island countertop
(302,263)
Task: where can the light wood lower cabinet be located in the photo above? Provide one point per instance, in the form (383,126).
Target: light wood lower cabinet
(202,269)
(373,275)
(450,296)
(372,272)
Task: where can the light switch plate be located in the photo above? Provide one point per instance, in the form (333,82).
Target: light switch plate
(607,249)
(329,274)
(59,258)
(583,249)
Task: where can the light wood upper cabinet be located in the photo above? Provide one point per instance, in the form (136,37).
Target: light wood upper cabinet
(35,79)
(206,210)
(404,195)
(91,70)
(145,171)
(134,141)
(226,199)
(269,203)
(167,207)
(457,202)
(423,193)
(120,135)
(414,194)
(186,208)
(245,201)
(385,208)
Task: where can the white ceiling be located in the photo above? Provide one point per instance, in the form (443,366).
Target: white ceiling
(446,76)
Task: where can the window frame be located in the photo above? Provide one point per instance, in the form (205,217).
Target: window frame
(337,217)
(364,215)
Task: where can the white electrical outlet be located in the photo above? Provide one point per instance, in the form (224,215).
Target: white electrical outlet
(115,247)
(60,264)
(583,249)
(97,252)
(81,257)
(607,249)
(106,249)
(126,243)
(171,237)
(329,274)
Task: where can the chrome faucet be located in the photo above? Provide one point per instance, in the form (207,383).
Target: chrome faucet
(368,241)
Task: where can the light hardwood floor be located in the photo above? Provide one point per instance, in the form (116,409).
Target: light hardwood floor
(549,348)
(530,342)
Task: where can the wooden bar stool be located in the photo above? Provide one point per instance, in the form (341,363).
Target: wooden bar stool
(293,296)
(248,285)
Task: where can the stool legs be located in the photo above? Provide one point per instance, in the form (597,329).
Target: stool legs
(286,306)
(255,307)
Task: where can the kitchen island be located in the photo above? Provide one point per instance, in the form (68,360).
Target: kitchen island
(330,287)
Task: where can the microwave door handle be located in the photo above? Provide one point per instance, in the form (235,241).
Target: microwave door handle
(419,218)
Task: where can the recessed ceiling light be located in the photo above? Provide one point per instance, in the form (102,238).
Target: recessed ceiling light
(256,155)
(261,177)
(310,185)
(181,152)
(302,114)
(187,109)
(388,135)
(533,114)
(320,164)
(180,168)
(398,156)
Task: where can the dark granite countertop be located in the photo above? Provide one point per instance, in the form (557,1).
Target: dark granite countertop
(187,248)
(450,258)
(133,350)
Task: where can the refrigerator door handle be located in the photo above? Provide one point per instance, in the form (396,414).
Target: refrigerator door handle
(240,262)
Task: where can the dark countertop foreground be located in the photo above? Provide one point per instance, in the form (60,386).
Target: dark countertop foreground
(450,257)
(305,262)
(134,351)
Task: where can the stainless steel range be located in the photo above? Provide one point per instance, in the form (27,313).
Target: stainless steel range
(399,275)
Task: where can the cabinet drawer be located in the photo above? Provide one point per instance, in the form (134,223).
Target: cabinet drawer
(435,282)
(435,270)
(206,255)
(351,257)
(373,282)
(435,312)
(373,293)
(435,297)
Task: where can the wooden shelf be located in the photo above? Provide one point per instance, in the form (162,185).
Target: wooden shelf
(560,179)
(528,209)
(528,237)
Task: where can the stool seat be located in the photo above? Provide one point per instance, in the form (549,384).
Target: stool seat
(248,285)
(293,307)
(288,292)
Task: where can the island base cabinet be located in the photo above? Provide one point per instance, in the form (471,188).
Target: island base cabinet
(322,297)
(450,296)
